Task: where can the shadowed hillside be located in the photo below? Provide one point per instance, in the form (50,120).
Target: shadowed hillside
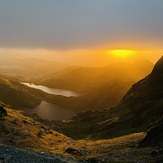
(140,108)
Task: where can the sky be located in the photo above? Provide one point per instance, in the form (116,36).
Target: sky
(81,30)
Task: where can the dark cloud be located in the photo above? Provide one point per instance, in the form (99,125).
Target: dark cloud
(70,24)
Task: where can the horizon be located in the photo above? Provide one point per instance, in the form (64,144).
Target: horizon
(82,33)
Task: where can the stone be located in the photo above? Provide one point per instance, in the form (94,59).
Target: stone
(3,112)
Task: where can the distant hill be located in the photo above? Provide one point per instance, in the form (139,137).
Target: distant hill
(82,79)
(104,96)
(24,68)
(100,88)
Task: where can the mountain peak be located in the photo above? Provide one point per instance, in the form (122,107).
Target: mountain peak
(157,73)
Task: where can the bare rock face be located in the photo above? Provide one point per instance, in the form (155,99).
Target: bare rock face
(154,136)
(3,112)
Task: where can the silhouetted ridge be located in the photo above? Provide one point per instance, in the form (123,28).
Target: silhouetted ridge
(157,73)
(147,89)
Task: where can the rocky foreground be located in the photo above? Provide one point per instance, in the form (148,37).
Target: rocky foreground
(10,154)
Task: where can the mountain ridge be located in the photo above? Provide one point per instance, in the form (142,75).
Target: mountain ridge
(131,115)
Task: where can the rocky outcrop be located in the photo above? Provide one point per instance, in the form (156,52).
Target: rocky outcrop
(3,112)
(154,136)
(73,151)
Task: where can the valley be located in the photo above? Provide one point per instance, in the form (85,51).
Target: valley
(106,133)
(81,81)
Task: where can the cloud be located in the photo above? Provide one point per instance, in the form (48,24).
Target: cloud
(72,24)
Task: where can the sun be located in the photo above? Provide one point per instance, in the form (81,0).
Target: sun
(121,53)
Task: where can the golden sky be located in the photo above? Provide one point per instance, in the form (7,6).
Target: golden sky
(87,57)
(85,32)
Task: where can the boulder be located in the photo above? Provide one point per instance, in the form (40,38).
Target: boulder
(72,151)
(3,112)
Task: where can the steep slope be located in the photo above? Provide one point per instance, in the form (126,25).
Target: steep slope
(17,95)
(145,98)
(106,96)
(154,136)
(140,108)
(22,131)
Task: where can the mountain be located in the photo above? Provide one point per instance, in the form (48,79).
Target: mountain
(105,85)
(83,79)
(102,85)
(106,96)
(85,136)
(24,68)
(146,97)
(138,110)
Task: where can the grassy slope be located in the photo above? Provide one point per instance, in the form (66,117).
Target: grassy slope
(17,95)
(24,132)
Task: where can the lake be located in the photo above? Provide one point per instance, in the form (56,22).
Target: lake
(48,110)
(54,91)
(51,111)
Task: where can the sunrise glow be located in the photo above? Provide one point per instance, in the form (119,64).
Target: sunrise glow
(121,53)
